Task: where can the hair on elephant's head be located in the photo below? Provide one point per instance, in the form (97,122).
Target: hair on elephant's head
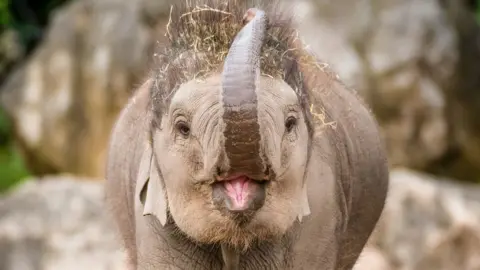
(230,129)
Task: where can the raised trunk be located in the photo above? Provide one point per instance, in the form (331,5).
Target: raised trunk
(240,76)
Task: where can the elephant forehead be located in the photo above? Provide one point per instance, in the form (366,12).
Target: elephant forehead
(198,92)
(271,89)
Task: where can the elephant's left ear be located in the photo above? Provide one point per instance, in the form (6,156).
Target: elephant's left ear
(150,190)
(305,206)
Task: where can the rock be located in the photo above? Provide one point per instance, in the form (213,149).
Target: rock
(427,224)
(57,223)
(61,223)
(66,97)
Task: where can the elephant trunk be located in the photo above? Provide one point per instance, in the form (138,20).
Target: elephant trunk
(239,81)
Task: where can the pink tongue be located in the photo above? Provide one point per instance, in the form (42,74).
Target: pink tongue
(237,190)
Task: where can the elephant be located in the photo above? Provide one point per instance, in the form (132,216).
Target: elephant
(241,150)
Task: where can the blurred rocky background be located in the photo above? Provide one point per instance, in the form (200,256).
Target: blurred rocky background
(68,66)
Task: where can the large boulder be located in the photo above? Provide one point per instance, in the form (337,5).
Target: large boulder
(61,223)
(57,223)
(428,224)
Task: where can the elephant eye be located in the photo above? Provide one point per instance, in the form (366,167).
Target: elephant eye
(290,123)
(183,128)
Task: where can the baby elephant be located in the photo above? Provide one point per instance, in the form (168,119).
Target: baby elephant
(242,151)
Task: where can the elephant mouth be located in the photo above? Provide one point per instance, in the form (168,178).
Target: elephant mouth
(239,196)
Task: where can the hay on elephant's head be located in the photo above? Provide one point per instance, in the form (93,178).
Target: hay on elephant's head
(199,38)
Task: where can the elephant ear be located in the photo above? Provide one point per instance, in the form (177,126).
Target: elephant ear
(305,206)
(150,190)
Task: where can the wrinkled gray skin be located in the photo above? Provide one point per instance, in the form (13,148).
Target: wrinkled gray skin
(167,199)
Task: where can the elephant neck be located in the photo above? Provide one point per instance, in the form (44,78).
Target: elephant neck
(263,255)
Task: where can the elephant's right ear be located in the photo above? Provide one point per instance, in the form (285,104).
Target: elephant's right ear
(150,190)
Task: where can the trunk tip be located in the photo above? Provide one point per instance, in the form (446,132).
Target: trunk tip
(249,15)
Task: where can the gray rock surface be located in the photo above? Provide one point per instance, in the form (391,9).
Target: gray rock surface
(60,223)
(57,223)
(428,224)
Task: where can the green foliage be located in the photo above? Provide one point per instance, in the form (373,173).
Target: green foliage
(477,12)
(12,168)
(4,14)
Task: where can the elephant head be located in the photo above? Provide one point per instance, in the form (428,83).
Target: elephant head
(231,150)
